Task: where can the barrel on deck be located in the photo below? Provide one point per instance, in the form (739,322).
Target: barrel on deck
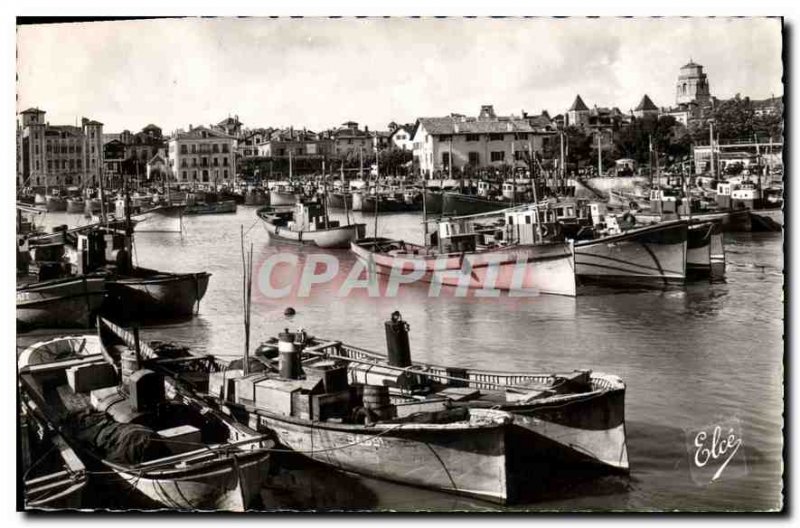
(290,364)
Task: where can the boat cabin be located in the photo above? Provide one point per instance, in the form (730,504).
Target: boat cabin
(663,200)
(310,216)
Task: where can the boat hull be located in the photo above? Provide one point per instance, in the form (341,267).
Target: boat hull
(227,206)
(159,295)
(70,303)
(579,432)
(654,253)
(222,488)
(544,268)
(335,238)
(164,219)
(463,204)
(56,204)
(433,202)
(705,253)
(464,461)
(338,200)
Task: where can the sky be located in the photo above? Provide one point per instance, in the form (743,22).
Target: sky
(320,72)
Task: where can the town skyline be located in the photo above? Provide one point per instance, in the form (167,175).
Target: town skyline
(275,72)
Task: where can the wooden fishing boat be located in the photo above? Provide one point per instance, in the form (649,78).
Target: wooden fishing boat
(60,303)
(458,204)
(560,419)
(510,254)
(543,268)
(340,200)
(53,476)
(308,223)
(649,254)
(204,208)
(136,427)
(312,410)
(141,293)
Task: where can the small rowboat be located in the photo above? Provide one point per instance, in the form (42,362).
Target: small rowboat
(133,426)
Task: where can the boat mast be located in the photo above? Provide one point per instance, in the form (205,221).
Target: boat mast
(247,288)
(377,176)
(290,166)
(562,176)
(711,147)
(599,153)
(535,197)
(424,215)
(325,193)
(345,193)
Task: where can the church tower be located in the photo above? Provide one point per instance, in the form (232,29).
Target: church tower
(692,85)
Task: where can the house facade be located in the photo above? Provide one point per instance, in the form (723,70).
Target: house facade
(479,142)
(202,155)
(58,155)
(301,142)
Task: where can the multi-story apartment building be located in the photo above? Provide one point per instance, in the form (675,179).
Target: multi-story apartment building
(349,140)
(477,142)
(202,155)
(58,155)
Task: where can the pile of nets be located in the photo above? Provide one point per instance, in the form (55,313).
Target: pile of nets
(127,444)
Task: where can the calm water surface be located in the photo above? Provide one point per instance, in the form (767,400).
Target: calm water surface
(689,356)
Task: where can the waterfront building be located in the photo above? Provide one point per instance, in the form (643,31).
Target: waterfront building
(349,140)
(578,113)
(202,155)
(479,142)
(58,155)
(249,140)
(300,142)
(157,166)
(400,137)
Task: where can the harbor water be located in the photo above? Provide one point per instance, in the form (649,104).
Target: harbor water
(690,356)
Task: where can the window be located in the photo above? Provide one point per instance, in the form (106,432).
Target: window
(495,137)
(194,149)
(49,164)
(474,158)
(445,137)
(78,164)
(224,162)
(519,155)
(225,174)
(521,135)
(194,175)
(215,148)
(498,155)
(205,161)
(194,162)
(473,137)
(205,175)
(37,165)
(36,149)
(445,159)
(183,175)
(184,150)
(216,161)
(225,148)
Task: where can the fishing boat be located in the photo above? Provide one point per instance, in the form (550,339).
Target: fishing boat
(574,419)
(133,425)
(141,293)
(459,204)
(60,303)
(53,475)
(509,255)
(705,251)
(211,207)
(308,223)
(340,200)
(313,410)
(616,250)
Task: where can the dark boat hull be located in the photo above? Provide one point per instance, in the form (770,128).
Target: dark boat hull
(463,204)
(156,294)
(64,303)
(227,206)
(645,255)
(433,202)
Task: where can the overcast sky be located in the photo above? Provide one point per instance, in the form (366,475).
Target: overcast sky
(321,72)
